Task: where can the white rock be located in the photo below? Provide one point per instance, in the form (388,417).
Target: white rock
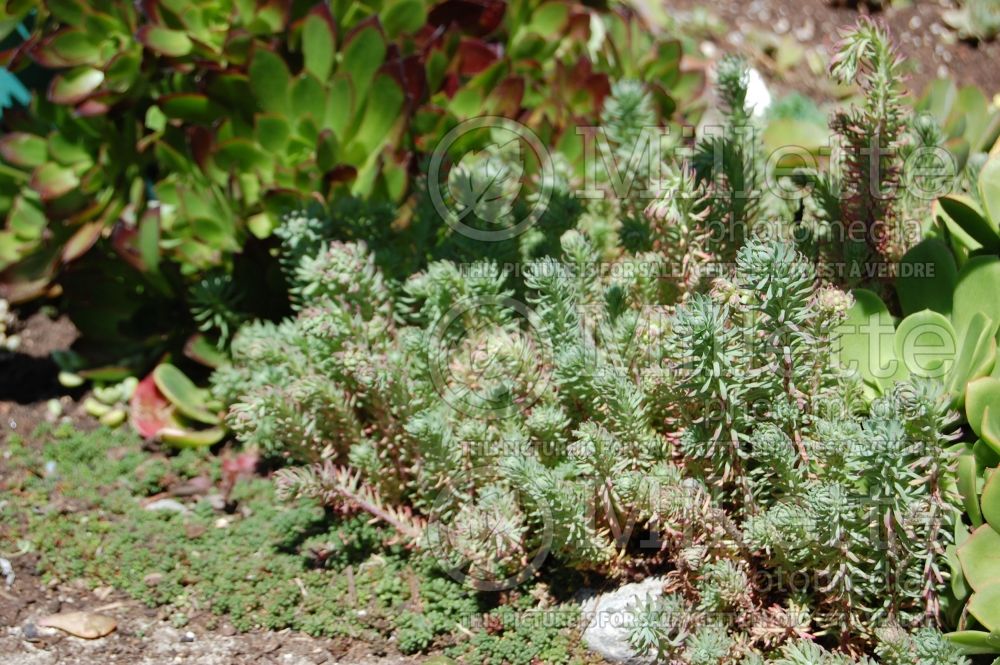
(758,96)
(608,617)
(7,572)
(170,505)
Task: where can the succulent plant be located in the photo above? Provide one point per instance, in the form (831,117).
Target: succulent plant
(971,223)
(172,137)
(168,407)
(975,19)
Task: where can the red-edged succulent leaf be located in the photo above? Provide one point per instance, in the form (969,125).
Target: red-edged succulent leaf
(475,55)
(505,100)
(22,149)
(75,86)
(82,241)
(171,43)
(411,75)
(67,48)
(149,411)
(52,181)
(319,42)
(93,107)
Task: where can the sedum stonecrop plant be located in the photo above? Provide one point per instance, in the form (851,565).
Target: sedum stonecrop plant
(595,424)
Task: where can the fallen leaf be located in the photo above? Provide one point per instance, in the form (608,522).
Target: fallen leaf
(81,624)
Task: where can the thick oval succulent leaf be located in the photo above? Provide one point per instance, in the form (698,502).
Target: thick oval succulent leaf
(925,344)
(363,54)
(191,438)
(966,214)
(319,43)
(403,16)
(985,606)
(26,218)
(82,240)
(867,337)
(927,278)
(976,357)
(980,395)
(270,81)
(52,181)
(968,476)
(22,149)
(75,86)
(980,557)
(149,410)
(191,107)
(171,43)
(182,393)
(990,500)
(990,426)
(976,291)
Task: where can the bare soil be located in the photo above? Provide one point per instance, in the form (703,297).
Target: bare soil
(144,636)
(919,31)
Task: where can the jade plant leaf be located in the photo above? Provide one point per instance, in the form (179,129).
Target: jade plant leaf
(182,393)
(980,557)
(927,279)
(925,344)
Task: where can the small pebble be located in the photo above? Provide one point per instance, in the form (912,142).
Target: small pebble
(29,631)
(806,32)
(187,637)
(916,22)
(171,505)
(7,572)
